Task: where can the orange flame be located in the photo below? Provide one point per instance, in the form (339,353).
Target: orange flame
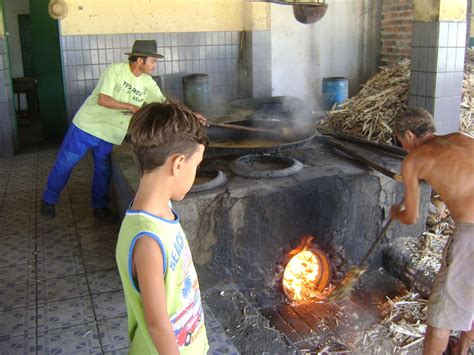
(302,273)
(305,243)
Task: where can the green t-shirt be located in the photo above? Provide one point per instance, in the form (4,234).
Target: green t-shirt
(121,84)
(183,298)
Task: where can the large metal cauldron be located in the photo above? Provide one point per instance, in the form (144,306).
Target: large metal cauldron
(225,141)
(282,107)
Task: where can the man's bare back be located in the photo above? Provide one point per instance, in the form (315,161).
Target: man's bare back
(447,164)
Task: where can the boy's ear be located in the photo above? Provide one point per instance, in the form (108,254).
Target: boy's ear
(177,165)
(409,135)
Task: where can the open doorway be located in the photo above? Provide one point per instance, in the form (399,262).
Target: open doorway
(24,82)
(36,72)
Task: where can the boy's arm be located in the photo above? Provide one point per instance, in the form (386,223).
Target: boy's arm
(410,214)
(148,262)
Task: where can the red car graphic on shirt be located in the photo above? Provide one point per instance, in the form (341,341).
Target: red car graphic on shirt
(186,322)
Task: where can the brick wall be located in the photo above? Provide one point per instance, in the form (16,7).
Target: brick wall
(397,17)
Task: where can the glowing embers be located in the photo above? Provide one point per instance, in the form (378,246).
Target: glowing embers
(306,274)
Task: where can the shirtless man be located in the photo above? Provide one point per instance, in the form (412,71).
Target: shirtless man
(447,164)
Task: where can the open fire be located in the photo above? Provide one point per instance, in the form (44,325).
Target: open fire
(307,273)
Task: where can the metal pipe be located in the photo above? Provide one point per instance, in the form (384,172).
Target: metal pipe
(385,147)
(364,160)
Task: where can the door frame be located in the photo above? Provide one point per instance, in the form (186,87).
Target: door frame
(49,71)
(11,101)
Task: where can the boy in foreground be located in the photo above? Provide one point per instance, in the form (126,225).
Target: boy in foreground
(446,163)
(161,288)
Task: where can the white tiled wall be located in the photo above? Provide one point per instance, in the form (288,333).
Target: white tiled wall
(437,65)
(215,53)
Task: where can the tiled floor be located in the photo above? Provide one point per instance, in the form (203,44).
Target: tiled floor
(60,290)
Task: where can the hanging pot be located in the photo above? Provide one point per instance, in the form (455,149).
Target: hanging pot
(309,12)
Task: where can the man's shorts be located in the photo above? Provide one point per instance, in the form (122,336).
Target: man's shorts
(451,304)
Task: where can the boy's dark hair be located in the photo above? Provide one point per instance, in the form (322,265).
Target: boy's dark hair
(160,130)
(417,120)
(134,58)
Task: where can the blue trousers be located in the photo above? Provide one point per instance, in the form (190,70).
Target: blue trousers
(75,146)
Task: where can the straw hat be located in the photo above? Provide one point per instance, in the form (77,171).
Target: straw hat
(57,9)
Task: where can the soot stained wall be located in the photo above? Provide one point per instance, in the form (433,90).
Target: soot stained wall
(242,238)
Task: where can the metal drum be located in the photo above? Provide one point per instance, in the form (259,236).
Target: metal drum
(157,80)
(196,92)
(335,91)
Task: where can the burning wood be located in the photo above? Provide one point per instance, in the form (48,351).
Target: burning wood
(306,274)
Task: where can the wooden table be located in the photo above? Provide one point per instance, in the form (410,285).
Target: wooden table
(29,87)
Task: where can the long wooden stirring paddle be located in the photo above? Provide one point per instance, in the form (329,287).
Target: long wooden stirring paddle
(344,290)
(363,160)
(282,131)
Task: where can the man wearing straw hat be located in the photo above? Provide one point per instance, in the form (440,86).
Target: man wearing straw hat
(101,122)
(446,163)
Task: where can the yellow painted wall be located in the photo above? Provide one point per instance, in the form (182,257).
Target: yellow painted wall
(1,18)
(426,10)
(440,10)
(453,10)
(472,27)
(256,16)
(145,16)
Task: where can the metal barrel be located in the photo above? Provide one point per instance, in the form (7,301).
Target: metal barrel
(157,79)
(335,91)
(196,91)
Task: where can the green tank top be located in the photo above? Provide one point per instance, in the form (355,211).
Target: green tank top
(181,283)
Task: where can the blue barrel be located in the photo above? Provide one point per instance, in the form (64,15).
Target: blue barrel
(196,91)
(335,91)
